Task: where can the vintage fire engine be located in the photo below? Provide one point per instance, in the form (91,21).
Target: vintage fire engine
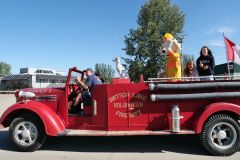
(209,109)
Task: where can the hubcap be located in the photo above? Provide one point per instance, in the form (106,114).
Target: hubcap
(223,135)
(26,133)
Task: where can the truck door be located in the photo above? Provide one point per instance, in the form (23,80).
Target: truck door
(77,114)
(127,104)
(138,110)
(117,110)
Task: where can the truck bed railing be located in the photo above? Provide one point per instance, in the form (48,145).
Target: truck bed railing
(193,78)
(195,86)
(228,89)
(194,96)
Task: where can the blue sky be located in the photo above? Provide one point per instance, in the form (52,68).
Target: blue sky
(205,22)
(59,34)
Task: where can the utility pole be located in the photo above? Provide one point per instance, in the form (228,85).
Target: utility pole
(181,38)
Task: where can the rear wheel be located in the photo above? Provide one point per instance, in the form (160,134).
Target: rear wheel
(27,133)
(221,135)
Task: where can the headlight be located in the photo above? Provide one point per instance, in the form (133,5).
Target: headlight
(26,95)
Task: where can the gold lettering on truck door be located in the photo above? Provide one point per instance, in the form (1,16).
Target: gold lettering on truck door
(136,105)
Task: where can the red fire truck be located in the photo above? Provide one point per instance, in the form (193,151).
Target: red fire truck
(210,109)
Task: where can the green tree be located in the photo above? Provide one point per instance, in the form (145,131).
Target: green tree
(5,69)
(105,71)
(155,18)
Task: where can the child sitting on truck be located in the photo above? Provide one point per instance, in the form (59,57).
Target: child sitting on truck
(190,73)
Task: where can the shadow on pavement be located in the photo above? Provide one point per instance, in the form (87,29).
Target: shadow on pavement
(187,144)
(141,144)
(5,143)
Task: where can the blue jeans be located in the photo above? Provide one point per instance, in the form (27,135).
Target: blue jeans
(86,96)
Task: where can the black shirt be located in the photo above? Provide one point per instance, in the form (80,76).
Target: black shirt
(207,61)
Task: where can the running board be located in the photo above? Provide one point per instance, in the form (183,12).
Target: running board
(122,133)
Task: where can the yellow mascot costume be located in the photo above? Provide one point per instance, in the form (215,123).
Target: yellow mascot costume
(171,48)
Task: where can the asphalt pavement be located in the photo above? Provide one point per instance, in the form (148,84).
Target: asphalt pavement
(171,147)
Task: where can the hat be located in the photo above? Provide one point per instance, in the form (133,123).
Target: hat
(89,69)
(168,36)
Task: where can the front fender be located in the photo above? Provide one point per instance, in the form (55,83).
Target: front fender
(212,109)
(52,122)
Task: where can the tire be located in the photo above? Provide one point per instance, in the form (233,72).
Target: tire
(27,133)
(221,135)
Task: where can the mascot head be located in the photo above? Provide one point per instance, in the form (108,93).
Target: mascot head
(167,36)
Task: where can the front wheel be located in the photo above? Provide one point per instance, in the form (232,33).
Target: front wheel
(27,133)
(221,135)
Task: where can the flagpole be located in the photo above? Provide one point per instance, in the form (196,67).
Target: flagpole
(229,74)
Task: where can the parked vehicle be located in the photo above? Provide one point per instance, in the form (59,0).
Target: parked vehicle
(208,109)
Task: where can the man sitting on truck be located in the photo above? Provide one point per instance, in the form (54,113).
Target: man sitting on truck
(91,81)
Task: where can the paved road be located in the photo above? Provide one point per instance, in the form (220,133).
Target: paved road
(108,148)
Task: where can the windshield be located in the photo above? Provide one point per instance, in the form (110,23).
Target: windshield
(75,75)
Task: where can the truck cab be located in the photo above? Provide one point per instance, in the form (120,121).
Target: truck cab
(209,109)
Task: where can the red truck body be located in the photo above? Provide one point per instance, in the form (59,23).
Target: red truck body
(125,108)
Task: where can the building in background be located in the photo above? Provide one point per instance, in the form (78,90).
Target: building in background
(33,78)
(222,70)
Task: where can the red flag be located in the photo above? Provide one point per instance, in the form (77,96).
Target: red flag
(233,51)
